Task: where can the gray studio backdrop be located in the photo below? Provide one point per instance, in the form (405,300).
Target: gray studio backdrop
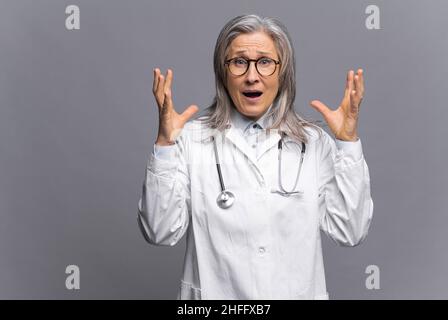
(78,122)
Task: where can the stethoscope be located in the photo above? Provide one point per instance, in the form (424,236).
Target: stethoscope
(226,198)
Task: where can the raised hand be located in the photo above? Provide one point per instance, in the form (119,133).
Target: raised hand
(343,121)
(170,122)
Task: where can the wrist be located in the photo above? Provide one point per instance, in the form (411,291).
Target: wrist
(163,141)
(348,138)
(160,142)
(167,139)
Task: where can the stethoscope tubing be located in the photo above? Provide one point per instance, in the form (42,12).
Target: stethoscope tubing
(218,166)
(302,155)
(226,198)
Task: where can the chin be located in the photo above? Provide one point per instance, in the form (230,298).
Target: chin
(254,110)
(251,111)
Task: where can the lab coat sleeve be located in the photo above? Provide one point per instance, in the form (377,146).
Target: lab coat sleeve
(164,152)
(163,209)
(345,203)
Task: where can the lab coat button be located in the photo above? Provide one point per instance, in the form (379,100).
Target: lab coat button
(254,145)
(261,250)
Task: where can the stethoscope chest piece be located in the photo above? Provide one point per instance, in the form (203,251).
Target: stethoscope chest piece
(225,199)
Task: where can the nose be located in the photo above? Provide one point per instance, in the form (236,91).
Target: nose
(252,74)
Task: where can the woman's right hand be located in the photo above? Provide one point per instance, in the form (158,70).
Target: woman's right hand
(170,122)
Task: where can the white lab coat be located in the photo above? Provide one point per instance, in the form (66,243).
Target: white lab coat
(266,246)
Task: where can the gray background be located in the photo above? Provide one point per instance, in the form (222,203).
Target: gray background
(78,121)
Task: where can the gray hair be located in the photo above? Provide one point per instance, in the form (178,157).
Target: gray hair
(283,114)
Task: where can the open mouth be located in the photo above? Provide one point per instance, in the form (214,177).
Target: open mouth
(252,94)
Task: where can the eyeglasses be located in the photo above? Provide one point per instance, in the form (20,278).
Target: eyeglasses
(239,66)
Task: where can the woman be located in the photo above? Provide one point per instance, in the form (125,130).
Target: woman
(251,183)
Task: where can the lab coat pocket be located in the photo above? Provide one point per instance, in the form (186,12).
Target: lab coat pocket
(189,292)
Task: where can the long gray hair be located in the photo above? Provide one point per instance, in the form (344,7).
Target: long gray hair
(284,117)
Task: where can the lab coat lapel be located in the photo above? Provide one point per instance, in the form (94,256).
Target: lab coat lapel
(234,137)
(272,138)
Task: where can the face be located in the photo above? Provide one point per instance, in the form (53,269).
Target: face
(252,46)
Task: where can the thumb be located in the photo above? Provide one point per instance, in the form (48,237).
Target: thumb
(189,112)
(321,107)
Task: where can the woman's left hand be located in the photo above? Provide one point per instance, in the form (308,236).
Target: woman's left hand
(343,121)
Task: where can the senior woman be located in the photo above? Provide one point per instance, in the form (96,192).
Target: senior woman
(251,182)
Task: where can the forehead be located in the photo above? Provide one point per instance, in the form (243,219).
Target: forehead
(257,42)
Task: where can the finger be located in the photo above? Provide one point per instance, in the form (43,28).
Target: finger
(358,80)
(156,80)
(348,84)
(168,102)
(166,91)
(357,86)
(168,81)
(189,112)
(354,101)
(159,94)
(361,80)
(351,80)
(320,107)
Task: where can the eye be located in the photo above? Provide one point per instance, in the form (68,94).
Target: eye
(240,62)
(265,61)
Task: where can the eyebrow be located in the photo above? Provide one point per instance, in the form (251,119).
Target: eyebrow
(260,52)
